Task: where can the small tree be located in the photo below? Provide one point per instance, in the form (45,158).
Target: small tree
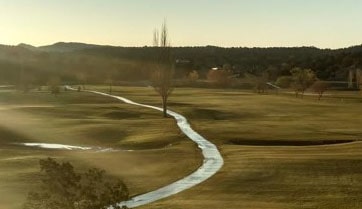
(320,87)
(111,74)
(54,85)
(82,79)
(63,188)
(358,78)
(109,81)
(302,79)
(193,76)
(259,82)
(261,85)
(162,76)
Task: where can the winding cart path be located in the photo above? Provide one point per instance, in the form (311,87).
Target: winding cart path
(212,163)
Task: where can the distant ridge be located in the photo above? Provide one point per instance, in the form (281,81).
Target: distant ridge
(67,47)
(78,46)
(27,46)
(60,47)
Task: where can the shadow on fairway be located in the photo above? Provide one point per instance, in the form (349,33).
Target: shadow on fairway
(288,142)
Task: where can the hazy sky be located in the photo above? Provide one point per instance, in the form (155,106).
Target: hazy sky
(251,23)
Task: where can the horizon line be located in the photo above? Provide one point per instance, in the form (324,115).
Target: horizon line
(182,46)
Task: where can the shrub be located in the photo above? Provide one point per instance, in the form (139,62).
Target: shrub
(63,188)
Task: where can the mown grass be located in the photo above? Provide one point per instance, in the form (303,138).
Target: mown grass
(263,176)
(85,119)
(271,177)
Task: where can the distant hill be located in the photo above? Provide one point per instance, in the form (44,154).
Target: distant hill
(28,46)
(67,47)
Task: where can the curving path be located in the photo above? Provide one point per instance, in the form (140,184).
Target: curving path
(212,163)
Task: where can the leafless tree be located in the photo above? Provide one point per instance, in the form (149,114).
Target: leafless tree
(320,87)
(110,79)
(358,78)
(162,76)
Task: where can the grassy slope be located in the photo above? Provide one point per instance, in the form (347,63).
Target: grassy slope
(86,119)
(323,177)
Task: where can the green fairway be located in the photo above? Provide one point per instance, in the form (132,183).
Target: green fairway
(264,176)
(161,153)
(267,176)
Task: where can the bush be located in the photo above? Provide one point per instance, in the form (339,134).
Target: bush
(63,188)
(54,85)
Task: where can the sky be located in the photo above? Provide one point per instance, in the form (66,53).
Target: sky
(225,23)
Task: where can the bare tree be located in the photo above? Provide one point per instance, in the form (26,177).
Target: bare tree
(110,80)
(156,38)
(261,82)
(350,78)
(162,76)
(358,78)
(320,87)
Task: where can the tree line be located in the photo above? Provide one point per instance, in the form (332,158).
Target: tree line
(101,64)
